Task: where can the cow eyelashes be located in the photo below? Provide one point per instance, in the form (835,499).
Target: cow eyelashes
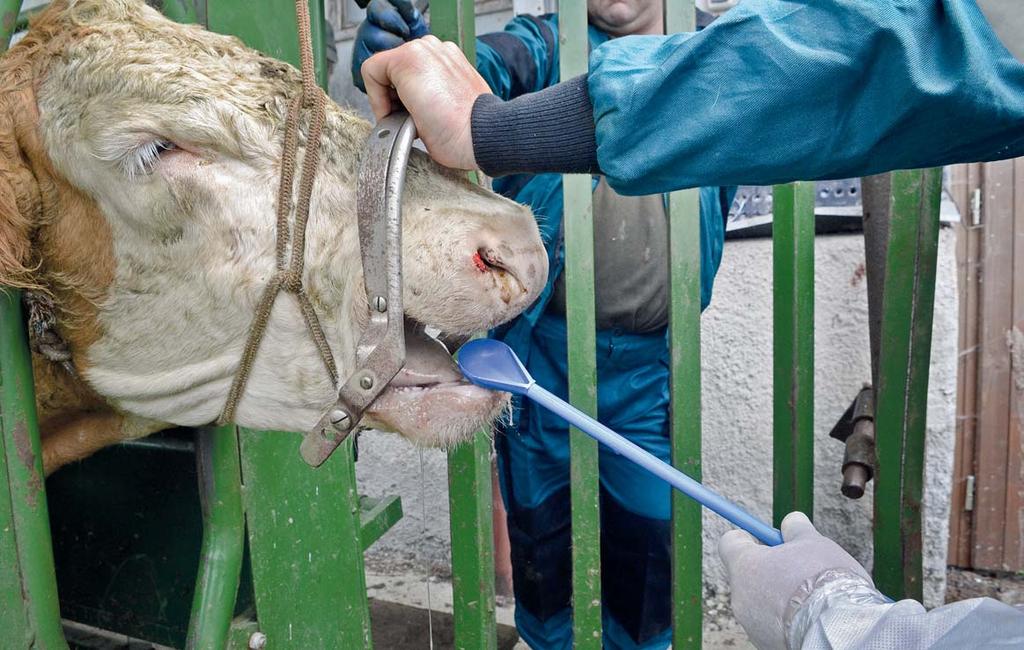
(141,160)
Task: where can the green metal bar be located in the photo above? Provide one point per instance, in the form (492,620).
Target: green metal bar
(579,282)
(793,349)
(8,21)
(304,542)
(684,337)
(469,486)
(469,464)
(684,334)
(270,27)
(902,393)
(185,11)
(29,608)
(376,517)
(455,21)
(220,560)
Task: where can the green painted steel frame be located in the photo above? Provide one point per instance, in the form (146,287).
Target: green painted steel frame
(185,11)
(793,349)
(684,337)
(269,26)
(29,609)
(220,560)
(908,297)
(469,464)
(307,557)
(579,284)
(8,21)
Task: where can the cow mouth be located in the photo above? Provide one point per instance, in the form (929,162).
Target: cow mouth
(429,401)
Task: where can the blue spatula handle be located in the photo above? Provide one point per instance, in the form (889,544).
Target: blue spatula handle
(691,488)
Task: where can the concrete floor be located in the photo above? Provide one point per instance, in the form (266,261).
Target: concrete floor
(409,589)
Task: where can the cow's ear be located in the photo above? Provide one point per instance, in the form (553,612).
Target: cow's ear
(19,207)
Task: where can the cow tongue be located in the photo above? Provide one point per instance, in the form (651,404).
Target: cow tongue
(427,362)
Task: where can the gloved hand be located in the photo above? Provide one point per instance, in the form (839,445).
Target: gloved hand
(388,24)
(770,583)
(716,7)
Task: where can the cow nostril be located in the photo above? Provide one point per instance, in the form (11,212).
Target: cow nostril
(485,260)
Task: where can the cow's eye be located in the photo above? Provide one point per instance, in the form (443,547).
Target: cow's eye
(141,160)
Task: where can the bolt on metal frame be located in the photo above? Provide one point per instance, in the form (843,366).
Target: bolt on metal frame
(303,525)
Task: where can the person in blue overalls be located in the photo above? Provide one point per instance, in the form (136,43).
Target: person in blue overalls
(631,277)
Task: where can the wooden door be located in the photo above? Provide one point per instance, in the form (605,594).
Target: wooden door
(988,495)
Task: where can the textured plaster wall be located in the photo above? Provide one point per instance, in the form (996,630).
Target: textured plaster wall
(737,374)
(737,413)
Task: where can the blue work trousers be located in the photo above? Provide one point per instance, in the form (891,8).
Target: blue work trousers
(533,460)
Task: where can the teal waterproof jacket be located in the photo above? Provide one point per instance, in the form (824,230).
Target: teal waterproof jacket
(782,90)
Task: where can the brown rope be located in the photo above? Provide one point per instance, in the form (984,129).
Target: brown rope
(288,273)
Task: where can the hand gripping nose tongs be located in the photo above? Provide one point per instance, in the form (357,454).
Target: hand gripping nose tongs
(380,353)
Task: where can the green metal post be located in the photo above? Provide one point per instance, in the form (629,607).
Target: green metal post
(902,393)
(8,20)
(793,349)
(185,11)
(29,609)
(220,561)
(302,522)
(469,464)
(455,21)
(579,283)
(684,336)
(469,485)
(307,556)
(270,27)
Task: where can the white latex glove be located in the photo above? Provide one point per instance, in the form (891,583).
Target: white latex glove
(770,583)
(716,7)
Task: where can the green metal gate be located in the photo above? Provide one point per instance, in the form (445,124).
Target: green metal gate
(308,584)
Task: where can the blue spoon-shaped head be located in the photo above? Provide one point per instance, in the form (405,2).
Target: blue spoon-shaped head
(494,365)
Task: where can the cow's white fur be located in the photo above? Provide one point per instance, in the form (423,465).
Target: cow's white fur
(193,240)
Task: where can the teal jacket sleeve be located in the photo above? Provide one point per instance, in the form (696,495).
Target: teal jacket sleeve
(778,90)
(773,91)
(523,58)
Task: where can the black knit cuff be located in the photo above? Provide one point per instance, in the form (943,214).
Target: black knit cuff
(547,131)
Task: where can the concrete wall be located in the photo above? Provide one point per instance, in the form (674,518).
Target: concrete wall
(737,413)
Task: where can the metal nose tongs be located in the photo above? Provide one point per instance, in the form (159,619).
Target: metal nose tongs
(380,353)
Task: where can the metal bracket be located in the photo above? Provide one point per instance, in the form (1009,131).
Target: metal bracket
(380,353)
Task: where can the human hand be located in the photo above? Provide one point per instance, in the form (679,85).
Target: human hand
(388,24)
(438,86)
(770,583)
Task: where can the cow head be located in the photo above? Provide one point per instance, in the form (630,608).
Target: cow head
(139,164)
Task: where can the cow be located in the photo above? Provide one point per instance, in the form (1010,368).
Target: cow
(139,164)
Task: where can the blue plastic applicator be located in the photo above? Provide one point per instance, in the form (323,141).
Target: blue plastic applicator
(494,365)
